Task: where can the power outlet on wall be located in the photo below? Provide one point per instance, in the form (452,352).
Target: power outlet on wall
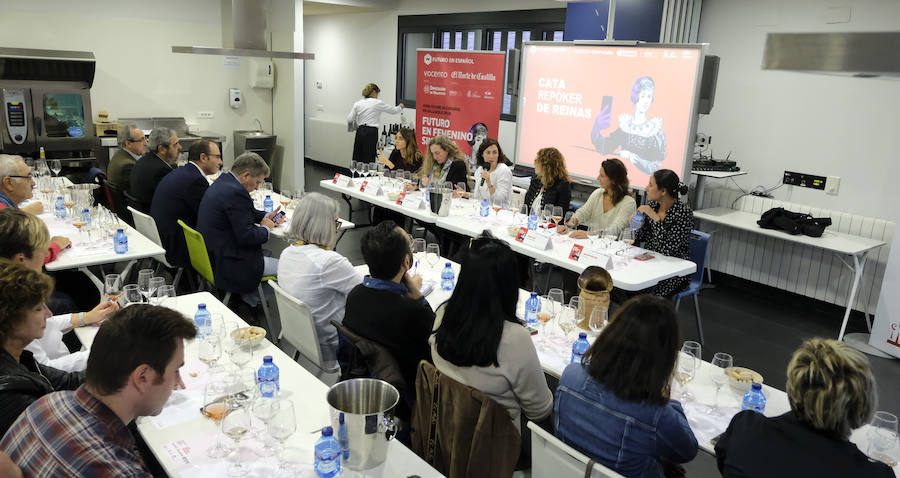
(205,115)
(832,184)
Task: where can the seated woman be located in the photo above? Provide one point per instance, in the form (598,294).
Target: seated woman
(610,206)
(666,225)
(406,155)
(493,178)
(831,390)
(615,405)
(444,162)
(552,185)
(478,341)
(23,317)
(24,239)
(311,271)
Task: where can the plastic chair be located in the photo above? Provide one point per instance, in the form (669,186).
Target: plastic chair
(551,458)
(299,330)
(146,225)
(200,262)
(699,243)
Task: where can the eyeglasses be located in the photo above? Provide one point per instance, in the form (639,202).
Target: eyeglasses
(141,140)
(337,224)
(215,156)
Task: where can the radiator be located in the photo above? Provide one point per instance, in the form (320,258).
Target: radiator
(792,267)
(328,141)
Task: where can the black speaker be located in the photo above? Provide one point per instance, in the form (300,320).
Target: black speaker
(708,84)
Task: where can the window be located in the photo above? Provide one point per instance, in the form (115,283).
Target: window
(491,31)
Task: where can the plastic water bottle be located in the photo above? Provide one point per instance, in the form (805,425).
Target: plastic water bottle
(203,321)
(532,307)
(532,221)
(86,217)
(120,242)
(267,378)
(754,399)
(637,221)
(484,210)
(268,206)
(580,347)
(328,455)
(447,277)
(60,208)
(343,439)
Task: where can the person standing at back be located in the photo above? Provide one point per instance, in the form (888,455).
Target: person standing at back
(153,166)
(365,118)
(178,197)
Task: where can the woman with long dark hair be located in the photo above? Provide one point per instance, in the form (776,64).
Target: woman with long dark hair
(365,118)
(478,341)
(493,176)
(614,406)
(667,224)
(610,206)
(406,155)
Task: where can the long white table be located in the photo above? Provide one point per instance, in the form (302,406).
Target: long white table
(628,274)
(838,243)
(302,388)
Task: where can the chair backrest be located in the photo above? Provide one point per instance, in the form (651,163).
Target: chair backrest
(699,241)
(297,325)
(551,458)
(119,203)
(197,252)
(101,194)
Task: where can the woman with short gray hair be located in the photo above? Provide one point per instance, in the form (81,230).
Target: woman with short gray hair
(310,270)
(831,391)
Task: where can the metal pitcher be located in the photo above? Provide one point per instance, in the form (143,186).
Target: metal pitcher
(367,407)
(440,201)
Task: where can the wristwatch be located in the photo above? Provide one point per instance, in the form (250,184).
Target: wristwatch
(81,319)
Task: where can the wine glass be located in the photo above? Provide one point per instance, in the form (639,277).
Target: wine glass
(55,166)
(132,295)
(567,322)
(241,350)
(164,292)
(688,362)
(215,409)
(567,219)
(547,213)
(353,166)
(143,281)
(720,362)
(884,445)
(433,254)
(264,409)
(113,287)
(575,302)
(281,426)
(154,284)
(236,424)
(598,319)
(285,199)
(556,215)
(418,248)
(547,312)
(209,349)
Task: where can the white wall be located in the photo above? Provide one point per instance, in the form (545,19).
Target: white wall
(137,73)
(358,48)
(776,120)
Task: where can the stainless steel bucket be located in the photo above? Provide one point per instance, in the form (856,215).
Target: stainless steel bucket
(440,201)
(367,405)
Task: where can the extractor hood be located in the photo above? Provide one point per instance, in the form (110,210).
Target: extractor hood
(250,22)
(862,55)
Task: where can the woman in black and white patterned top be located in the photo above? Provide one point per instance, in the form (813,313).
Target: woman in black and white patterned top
(667,225)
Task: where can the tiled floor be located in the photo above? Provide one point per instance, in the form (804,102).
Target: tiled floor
(759,326)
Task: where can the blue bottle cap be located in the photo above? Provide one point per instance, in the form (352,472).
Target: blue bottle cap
(267,359)
(534,294)
(756,386)
(447,265)
(201,306)
(327,432)
(582,335)
(341,418)
(120,230)
(86,210)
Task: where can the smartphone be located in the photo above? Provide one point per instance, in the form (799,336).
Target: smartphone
(531,330)
(277,217)
(644,257)
(606,104)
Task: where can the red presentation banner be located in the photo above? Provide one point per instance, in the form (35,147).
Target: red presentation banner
(460,95)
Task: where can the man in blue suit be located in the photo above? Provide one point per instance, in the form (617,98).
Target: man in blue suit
(234,230)
(178,197)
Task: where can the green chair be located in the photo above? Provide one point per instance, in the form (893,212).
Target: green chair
(200,262)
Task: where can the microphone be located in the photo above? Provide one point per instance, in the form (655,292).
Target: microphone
(482,183)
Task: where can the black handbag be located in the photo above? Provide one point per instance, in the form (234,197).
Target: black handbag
(794,223)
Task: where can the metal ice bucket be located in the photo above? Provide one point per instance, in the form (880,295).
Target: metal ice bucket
(440,201)
(367,406)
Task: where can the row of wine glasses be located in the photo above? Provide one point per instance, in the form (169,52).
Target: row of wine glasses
(430,253)
(149,289)
(365,169)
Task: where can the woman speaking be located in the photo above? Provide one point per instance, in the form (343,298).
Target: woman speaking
(365,118)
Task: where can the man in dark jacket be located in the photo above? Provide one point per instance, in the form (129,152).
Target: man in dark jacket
(388,307)
(23,317)
(228,221)
(132,145)
(153,166)
(178,197)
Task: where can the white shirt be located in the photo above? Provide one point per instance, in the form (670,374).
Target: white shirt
(617,218)
(367,112)
(51,351)
(321,279)
(501,178)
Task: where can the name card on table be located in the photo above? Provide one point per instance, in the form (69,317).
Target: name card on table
(590,257)
(413,202)
(342,180)
(371,188)
(537,239)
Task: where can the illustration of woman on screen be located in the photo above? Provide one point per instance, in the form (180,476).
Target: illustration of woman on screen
(641,139)
(478,132)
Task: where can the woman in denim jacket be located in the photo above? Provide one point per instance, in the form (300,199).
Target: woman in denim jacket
(615,405)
